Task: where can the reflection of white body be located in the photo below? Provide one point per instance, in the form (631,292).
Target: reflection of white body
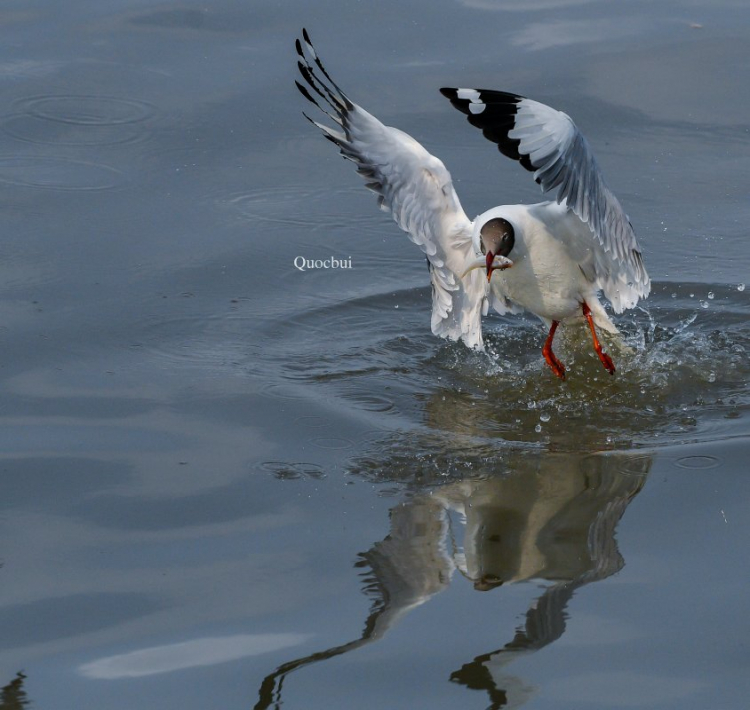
(548,518)
(554,523)
(546,526)
(564,252)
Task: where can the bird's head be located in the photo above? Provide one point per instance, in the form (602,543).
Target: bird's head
(496,240)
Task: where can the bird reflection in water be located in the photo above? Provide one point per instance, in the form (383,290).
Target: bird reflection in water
(549,517)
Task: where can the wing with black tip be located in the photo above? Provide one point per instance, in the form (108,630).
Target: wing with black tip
(411,184)
(547,142)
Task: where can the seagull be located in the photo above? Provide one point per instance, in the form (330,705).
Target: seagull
(551,259)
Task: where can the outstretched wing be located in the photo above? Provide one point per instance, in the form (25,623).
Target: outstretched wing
(547,142)
(415,187)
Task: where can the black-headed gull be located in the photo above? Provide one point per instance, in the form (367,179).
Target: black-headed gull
(550,258)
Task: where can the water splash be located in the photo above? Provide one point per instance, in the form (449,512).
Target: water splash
(682,373)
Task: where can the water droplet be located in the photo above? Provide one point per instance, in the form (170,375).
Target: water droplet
(692,295)
(396,306)
(740,287)
(538,428)
(531,404)
(674,295)
(544,417)
(712,377)
(710,295)
(704,304)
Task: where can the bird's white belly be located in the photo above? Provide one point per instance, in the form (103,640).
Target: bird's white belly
(544,280)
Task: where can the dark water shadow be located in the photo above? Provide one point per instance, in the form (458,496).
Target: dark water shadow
(531,516)
(13,695)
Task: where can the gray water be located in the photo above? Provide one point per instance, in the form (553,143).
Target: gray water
(227,483)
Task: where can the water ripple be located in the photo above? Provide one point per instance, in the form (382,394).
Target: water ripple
(698,462)
(58,173)
(286,470)
(682,376)
(62,119)
(86,109)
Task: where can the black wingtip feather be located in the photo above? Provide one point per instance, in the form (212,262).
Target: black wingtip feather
(525,160)
(305,92)
(496,119)
(340,97)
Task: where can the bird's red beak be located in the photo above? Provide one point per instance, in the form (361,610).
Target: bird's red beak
(490,268)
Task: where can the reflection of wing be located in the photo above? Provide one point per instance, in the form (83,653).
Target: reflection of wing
(411,564)
(416,188)
(552,517)
(405,569)
(548,143)
(545,623)
(576,510)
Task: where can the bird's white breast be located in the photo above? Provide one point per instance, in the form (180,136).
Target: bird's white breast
(546,277)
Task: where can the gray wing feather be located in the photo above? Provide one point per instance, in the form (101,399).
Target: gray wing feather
(564,161)
(416,188)
(549,144)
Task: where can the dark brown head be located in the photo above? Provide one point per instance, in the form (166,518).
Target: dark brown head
(496,240)
(497,236)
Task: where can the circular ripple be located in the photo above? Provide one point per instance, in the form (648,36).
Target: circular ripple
(274,204)
(87,110)
(199,341)
(290,470)
(31,129)
(698,462)
(371,402)
(299,206)
(58,173)
(332,443)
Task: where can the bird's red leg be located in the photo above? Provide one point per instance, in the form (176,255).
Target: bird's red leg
(609,366)
(557,367)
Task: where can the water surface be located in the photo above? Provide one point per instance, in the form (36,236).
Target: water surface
(227,483)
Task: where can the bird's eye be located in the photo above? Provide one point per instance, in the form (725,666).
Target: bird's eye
(507,242)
